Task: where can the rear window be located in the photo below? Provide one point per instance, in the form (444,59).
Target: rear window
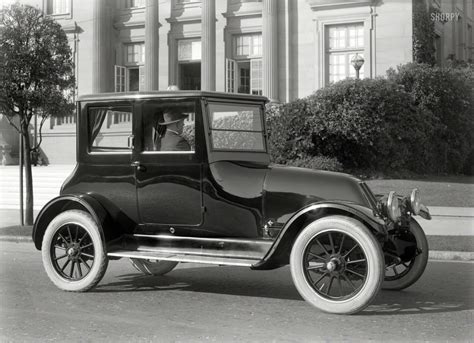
(110,128)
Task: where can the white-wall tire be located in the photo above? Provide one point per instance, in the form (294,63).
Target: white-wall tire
(73,240)
(337,235)
(408,272)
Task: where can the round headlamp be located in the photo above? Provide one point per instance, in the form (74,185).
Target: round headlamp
(415,201)
(393,208)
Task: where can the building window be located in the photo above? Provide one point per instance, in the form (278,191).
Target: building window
(244,70)
(189,50)
(134,3)
(130,77)
(189,64)
(58,7)
(247,46)
(343,43)
(135,53)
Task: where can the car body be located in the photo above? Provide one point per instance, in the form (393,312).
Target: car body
(220,202)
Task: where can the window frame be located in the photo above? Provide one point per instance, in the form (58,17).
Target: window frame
(237,105)
(128,4)
(324,19)
(345,51)
(233,155)
(251,54)
(48,9)
(170,156)
(102,157)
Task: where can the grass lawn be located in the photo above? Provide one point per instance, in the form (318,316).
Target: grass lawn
(455,191)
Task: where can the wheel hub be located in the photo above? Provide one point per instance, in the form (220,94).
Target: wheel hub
(335,264)
(73,251)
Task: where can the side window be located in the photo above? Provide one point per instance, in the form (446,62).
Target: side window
(170,127)
(110,129)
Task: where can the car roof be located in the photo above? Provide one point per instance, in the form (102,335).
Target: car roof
(169,94)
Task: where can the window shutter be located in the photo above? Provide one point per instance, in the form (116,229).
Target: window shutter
(141,78)
(230,75)
(256,76)
(119,78)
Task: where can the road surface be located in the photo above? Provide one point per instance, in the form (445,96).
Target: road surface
(221,304)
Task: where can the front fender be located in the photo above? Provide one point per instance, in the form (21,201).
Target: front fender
(279,252)
(63,203)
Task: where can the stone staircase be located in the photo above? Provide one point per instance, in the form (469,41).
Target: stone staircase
(47,182)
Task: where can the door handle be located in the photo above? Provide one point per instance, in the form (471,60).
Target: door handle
(139,166)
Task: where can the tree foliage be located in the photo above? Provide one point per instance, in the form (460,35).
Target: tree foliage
(36,76)
(36,66)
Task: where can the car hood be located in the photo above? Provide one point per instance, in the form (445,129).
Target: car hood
(288,189)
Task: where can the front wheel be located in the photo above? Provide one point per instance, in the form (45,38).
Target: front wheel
(337,265)
(403,271)
(73,252)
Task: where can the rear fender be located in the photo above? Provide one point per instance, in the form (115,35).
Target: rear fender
(63,203)
(278,254)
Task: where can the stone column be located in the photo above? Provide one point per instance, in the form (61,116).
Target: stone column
(270,49)
(151,45)
(100,43)
(208,45)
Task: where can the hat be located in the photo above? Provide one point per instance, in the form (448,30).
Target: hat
(172,116)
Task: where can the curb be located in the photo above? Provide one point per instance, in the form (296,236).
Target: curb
(433,255)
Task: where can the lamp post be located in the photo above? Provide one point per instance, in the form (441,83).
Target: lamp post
(357,62)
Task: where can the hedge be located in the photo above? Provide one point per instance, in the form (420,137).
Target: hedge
(418,119)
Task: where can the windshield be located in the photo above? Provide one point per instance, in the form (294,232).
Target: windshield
(236,127)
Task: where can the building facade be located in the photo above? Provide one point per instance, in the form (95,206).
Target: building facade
(283,49)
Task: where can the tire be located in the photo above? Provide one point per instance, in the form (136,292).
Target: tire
(73,251)
(342,248)
(153,267)
(412,270)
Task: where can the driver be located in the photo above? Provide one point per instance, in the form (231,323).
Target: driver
(173,140)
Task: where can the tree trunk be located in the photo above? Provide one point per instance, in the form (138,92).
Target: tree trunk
(28,177)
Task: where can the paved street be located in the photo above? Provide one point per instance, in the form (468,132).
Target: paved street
(221,304)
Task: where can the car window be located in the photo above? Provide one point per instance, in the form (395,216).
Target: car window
(110,128)
(169,127)
(236,127)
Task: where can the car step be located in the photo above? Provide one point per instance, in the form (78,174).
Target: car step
(182,257)
(222,251)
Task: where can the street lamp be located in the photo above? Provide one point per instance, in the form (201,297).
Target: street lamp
(357,62)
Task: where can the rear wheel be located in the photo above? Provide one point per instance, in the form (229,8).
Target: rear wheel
(73,252)
(337,265)
(403,271)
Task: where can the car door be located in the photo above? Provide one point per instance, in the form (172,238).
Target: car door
(169,187)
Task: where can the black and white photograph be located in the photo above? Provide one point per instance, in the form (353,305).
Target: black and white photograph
(236,171)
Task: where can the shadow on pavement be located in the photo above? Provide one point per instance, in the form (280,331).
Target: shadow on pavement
(441,289)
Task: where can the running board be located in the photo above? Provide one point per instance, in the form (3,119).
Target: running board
(220,251)
(156,255)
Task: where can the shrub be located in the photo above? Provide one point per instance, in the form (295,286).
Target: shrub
(448,95)
(368,123)
(317,162)
(288,131)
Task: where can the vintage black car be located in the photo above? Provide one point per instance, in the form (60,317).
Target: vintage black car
(142,192)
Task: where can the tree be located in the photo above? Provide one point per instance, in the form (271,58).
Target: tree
(36,77)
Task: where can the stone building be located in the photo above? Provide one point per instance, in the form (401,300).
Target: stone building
(283,49)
